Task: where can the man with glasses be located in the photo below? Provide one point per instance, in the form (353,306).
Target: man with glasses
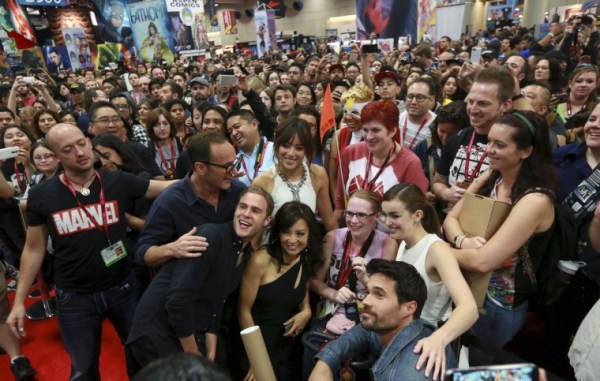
(125,106)
(105,117)
(208,194)
(416,120)
(182,309)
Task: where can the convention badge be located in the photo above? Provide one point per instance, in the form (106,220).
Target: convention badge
(325,308)
(113,253)
(347,374)
(463,184)
(360,305)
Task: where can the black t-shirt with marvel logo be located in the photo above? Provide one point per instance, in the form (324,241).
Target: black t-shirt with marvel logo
(454,154)
(77,240)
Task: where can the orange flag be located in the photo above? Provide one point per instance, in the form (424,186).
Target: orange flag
(327,114)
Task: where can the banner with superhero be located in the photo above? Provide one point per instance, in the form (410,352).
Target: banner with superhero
(265,31)
(57,59)
(14,21)
(230,22)
(113,19)
(78,48)
(212,16)
(151,30)
(187,23)
(386,18)
(501,13)
(107,53)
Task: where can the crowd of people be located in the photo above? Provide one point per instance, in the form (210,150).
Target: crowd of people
(184,206)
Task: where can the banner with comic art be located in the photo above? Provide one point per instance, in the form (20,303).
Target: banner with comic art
(230,22)
(113,19)
(265,31)
(187,23)
(151,31)
(387,18)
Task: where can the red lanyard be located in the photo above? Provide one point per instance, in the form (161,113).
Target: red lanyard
(18,177)
(469,179)
(369,184)
(259,159)
(346,267)
(414,140)
(169,170)
(104,227)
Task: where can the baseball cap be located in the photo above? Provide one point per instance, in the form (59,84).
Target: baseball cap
(77,87)
(387,74)
(337,66)
(200,80)
(490,53)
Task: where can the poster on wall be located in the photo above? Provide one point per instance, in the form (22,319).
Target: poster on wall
(212,16)
(386,18)
(187,23)
(501,13)
(32,58)
(426,18)
(386,45)
(61,18)
(150,31)
(78,48)
(230,22)
(113,19)
(57,59)
(107,53)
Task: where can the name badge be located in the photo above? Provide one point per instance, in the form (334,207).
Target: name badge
(113,253)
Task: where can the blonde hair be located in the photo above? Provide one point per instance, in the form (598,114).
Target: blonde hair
(360,93)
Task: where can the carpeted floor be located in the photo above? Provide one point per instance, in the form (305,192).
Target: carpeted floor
(43,346)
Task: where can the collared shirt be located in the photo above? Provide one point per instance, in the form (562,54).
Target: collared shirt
(397,361)
(265,163)
(176,211)
(188,294)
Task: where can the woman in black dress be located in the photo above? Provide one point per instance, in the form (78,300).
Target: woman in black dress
(274,292)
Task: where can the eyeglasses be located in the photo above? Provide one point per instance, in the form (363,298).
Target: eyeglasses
(418,97)
(106,121)
(227,167)
(359,216)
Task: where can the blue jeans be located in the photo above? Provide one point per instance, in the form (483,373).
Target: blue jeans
(80,317)
(496,325)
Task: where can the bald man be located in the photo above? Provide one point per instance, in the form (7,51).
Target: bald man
(83,211)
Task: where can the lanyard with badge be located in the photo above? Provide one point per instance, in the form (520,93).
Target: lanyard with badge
(469,178)
(259,159)
(414,139)
(114,252)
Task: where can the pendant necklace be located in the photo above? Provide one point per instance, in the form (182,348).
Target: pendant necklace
(295,188)
(85,191)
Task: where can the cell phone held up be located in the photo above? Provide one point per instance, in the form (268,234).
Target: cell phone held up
(228,80)
(9,153)
(370,48)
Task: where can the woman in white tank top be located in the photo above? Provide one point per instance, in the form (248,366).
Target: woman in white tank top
(413,221)
(293,180)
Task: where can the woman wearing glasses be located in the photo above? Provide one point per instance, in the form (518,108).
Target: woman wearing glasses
(294,180)
(336,281)
(163,141)
(379,162)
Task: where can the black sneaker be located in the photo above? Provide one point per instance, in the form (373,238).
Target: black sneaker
(22,369)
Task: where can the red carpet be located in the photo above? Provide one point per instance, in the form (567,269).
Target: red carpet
(44,347)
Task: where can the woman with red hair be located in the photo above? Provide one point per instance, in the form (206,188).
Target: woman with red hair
(378,162)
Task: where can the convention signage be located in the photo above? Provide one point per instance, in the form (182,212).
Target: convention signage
(43,3)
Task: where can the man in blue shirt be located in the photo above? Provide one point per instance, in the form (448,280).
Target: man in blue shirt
(256,152)
(390,328)
(208,194)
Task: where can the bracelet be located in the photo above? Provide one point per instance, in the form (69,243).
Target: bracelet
(456,240)
(460,242)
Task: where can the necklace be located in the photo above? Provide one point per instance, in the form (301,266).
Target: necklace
(85,191)
(295,188)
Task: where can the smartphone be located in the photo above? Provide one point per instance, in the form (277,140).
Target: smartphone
(9,153)
(476,55)
(28,80)
(228,80)
(435,65)
(370,48)
(516,372)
